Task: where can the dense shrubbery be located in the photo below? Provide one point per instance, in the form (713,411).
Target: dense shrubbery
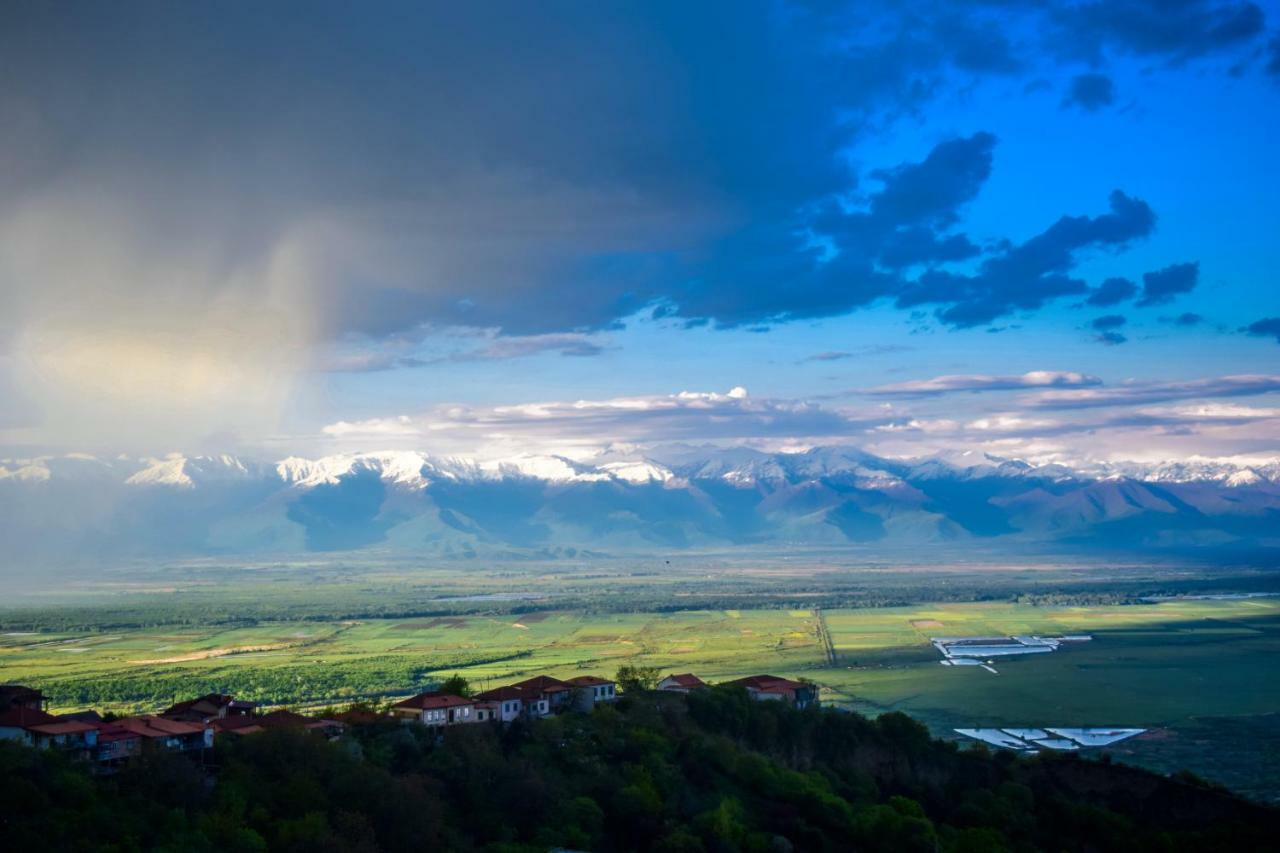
(711,772)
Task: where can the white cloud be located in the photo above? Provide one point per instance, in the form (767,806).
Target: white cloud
(1140,393)
(572,426)
(986,382)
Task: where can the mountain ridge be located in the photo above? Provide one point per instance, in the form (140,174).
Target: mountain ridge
(668,498)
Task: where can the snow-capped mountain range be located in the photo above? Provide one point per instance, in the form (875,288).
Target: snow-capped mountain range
(622,501)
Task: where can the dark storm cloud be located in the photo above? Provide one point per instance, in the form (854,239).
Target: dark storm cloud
(1113,291)
(1027,275)
(1109,321)
(1106,328)
(1090,92)
(1187,318)
(1172,30)
(1264,328)
(533,168)
(1166,284)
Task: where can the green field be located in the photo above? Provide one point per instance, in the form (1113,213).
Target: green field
(1200,672)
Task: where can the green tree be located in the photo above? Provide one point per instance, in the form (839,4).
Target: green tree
(456,684)
(636,679)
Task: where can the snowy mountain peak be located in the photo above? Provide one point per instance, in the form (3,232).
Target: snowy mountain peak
(187,472)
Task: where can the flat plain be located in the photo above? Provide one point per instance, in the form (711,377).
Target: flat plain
(1198,672)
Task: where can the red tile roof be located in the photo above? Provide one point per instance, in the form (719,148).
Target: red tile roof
(112,731)
(543,683)
(281,719)
(209,705)
(587,681)
(433,700)
(505,694)
(151,726)
(768,683)
(687,680)
(360,717)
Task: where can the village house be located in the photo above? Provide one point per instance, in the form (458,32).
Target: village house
(15,723)
(545,695)
(160,732)
(772,688)
(210,707)
(116,744)
(34,727)
(70,736)
(281,719)
(487,712)
(682,683)
(435,709)
(501,703)
(590,689)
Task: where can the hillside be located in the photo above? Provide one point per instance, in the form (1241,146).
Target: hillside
(714,772)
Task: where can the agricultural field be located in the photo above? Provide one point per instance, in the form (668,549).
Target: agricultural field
(318,662)
(1198,672)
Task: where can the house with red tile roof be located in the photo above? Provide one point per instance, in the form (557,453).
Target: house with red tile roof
(503,703)
(772,688)
(160,732)
(116,744)
(552,695)
(34,727)
(590,689)
(435,709)
(210,707)
(66,735)
(281,719)
(682,683)
(16,722)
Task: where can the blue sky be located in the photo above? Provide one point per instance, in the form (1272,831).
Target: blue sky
(298,230)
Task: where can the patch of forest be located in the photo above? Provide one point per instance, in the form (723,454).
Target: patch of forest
(713,771)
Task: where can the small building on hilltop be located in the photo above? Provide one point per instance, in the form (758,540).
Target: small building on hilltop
(67,735)
(16,722)
(161,732)
(502,703)
(682,683)
(34,727)
(590,689)
(435,709)
(282,719)
(116,745)
(210,707)
(545,695)
(772,688)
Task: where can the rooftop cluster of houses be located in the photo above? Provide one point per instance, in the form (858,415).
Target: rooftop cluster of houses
(185,727)
(543,695)
(191,726)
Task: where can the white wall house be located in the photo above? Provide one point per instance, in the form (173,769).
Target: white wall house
(590,689)
(436,709)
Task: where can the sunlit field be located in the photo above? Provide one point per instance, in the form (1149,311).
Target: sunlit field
(1176,667)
